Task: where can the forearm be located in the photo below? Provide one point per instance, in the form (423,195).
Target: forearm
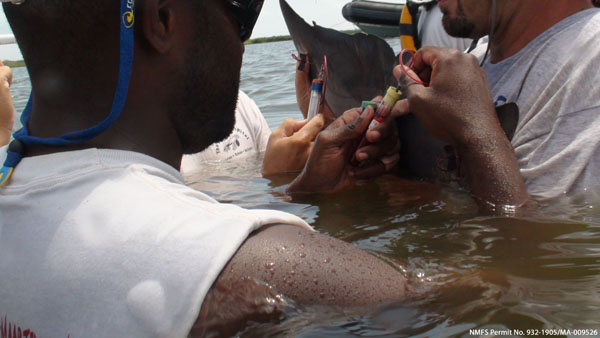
(6,105)
(492,170)
(6,117)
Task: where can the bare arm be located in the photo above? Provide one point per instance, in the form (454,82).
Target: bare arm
(457,108)
(6,105)
(306,267)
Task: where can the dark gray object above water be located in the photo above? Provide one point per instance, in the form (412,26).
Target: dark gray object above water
(360,68)
(360,65)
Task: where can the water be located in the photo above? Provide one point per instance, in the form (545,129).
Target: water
(537,271)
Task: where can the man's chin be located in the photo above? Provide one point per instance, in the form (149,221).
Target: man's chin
(442,4)
(216,132)
(457,27)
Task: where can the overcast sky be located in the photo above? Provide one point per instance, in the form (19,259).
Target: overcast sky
(327,13)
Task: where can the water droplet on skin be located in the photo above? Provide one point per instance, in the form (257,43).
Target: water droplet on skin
(292,272)
(302,255)
(326,260)
(270,265)
(322,295)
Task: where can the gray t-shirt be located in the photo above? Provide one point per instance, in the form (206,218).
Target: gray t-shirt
(555,81)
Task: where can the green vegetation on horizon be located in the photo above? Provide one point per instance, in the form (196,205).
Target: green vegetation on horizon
(287,37)
(14,64)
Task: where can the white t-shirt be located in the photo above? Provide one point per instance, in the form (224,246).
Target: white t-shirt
(109,243)
(250,136)
(432,33)
(554,81)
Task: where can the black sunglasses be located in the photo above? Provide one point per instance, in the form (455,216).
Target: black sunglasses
(246,13)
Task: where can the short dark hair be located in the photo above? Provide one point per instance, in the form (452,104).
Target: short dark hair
(596,3)
(50,30)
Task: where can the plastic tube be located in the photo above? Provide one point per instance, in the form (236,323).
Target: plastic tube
(384,109)
(382,114)
(314,105)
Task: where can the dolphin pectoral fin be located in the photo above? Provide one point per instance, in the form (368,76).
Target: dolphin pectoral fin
(508,114)
(360,66)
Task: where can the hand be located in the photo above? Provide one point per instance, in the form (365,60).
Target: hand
(457,108)
(380,143)
(328,168)
(303,87)
(290,144)
(6,105)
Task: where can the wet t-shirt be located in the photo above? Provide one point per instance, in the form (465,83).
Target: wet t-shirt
(554,81)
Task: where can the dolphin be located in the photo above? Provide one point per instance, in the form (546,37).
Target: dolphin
(360,68)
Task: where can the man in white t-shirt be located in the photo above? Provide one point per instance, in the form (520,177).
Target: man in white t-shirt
(99,237)
(543,58)
(286,149)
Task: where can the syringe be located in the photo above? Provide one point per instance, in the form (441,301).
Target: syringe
(382,113)
(315,99)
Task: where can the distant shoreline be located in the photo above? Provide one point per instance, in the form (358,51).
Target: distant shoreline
(287,37)
(14,64)
(21,63)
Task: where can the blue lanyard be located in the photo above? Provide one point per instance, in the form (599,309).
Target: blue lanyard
(22,139)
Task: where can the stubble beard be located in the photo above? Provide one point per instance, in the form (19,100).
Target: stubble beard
(458,26)
(206,110)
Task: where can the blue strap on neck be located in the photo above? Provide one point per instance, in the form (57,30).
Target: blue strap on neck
(22,139)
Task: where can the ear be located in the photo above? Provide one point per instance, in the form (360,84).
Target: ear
(158,19)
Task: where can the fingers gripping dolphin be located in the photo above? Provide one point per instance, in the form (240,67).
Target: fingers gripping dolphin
(360,68)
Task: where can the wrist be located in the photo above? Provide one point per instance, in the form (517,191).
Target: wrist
(492,168)
(299,185)
(481,138)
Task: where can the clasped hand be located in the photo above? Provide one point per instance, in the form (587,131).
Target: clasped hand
(328,168)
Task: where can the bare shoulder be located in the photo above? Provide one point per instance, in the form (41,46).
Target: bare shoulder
(313,268)
(306,267)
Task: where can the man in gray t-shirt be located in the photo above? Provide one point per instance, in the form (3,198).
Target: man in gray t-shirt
(544,56)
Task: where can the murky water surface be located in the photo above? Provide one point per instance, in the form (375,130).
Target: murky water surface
(538,271)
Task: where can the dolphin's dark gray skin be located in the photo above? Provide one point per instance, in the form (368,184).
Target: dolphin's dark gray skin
(425,156)
(360,68)
(360,65)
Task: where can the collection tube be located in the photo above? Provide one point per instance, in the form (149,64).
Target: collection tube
(382,114)
(315,99)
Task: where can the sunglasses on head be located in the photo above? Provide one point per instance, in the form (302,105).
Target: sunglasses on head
(246,13)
